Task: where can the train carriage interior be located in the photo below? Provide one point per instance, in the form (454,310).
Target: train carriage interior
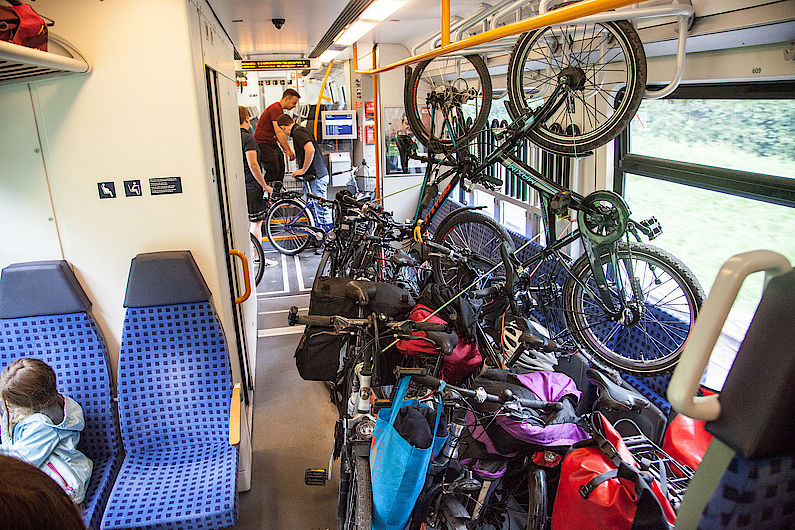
(471,265)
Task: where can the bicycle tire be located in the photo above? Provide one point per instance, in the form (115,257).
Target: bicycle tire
(593,127)
(636,348)
(474,231)
(284,226)
(359,505)
(257,259)
(418,87)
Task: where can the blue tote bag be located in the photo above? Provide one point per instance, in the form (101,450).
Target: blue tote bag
(398,468)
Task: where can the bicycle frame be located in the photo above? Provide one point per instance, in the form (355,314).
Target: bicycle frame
(547,189)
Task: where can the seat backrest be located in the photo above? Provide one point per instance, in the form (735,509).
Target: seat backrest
(747,476)
(44,313)
(758,396)
(175,380)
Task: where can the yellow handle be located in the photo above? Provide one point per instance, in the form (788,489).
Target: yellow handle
(246,277)
(418,232)
(234,416)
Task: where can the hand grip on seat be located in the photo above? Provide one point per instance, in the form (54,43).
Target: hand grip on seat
(234,416)
(698,348)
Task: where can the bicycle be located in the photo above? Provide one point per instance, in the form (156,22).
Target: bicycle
(358,380)
(448,99)
(292,221)
(470,488)
(612,298)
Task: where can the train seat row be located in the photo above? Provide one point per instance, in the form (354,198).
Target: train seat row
(163,451)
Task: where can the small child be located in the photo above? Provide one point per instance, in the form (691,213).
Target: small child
(41,426)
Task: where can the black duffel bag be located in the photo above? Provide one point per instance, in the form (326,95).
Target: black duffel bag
(328,298)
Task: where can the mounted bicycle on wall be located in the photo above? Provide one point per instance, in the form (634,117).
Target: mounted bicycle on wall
(571,89)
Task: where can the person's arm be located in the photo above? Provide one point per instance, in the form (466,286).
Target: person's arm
(309,156)
(253,165)
(283,140)
(35,442)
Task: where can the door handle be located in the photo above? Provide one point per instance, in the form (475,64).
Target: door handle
(246,276)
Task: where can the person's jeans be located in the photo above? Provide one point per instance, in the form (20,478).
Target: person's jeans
(318,187)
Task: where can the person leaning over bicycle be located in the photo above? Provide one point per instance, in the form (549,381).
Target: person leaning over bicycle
(255,181)
(312,169)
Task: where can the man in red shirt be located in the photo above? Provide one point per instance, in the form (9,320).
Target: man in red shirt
(269,135)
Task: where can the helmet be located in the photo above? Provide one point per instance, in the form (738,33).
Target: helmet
(513,328)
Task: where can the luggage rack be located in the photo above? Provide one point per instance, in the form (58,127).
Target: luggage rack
(672,476)
(20,64)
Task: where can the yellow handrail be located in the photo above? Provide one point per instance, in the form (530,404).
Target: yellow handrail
(557,16)
(320,95)
(246,277)
(445,22)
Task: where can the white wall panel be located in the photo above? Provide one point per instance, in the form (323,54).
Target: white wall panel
(137,115)
(27,223)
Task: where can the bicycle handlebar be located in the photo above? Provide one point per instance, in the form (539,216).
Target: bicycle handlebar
(294,318)
(420,375)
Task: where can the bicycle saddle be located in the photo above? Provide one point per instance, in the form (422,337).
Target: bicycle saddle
(401,259)
(359,292)
(446,342)
(613,395)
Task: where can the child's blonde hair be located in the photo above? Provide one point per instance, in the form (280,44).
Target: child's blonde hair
(28,384)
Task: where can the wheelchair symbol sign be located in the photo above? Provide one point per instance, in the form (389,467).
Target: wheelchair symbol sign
(132,188)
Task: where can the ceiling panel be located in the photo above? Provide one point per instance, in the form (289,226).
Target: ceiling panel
(308,20)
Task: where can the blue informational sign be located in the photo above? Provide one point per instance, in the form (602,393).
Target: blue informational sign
(339,124)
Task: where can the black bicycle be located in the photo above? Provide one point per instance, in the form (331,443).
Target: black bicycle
(358,383)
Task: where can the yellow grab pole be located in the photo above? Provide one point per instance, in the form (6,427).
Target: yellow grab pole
(445,22)
(557,16)
(376,120)
(320,95)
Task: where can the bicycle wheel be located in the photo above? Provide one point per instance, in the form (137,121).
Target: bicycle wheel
(448,79)
(605,68)
(257,259)
(480,237)
(649,340)
(287,224)
(359,505)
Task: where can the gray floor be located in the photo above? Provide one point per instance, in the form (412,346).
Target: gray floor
(293,419)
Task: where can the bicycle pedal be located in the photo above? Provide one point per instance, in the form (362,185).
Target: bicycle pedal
(653,227)
(315,477)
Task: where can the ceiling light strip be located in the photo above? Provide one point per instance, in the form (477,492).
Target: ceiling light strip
(350,13)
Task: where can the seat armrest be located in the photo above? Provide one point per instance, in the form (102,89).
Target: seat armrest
(234,416)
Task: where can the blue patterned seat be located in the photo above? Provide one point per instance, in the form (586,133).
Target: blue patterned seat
(44,313)
(175,386)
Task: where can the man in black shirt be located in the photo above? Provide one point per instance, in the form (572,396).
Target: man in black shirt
(312,168)
(255,181)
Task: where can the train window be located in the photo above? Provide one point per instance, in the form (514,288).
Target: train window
(748,135)
(715,166)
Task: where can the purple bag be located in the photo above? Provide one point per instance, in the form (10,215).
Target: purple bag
(537,430)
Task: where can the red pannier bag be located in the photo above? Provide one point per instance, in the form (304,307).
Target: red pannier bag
(22,25)
(601,487)
(464,360)
(686,441)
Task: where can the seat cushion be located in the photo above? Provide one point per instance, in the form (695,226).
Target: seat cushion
(192,488)
(104,473)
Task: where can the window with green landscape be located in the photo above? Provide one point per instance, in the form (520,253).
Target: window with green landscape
(704,228)
(748,135)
